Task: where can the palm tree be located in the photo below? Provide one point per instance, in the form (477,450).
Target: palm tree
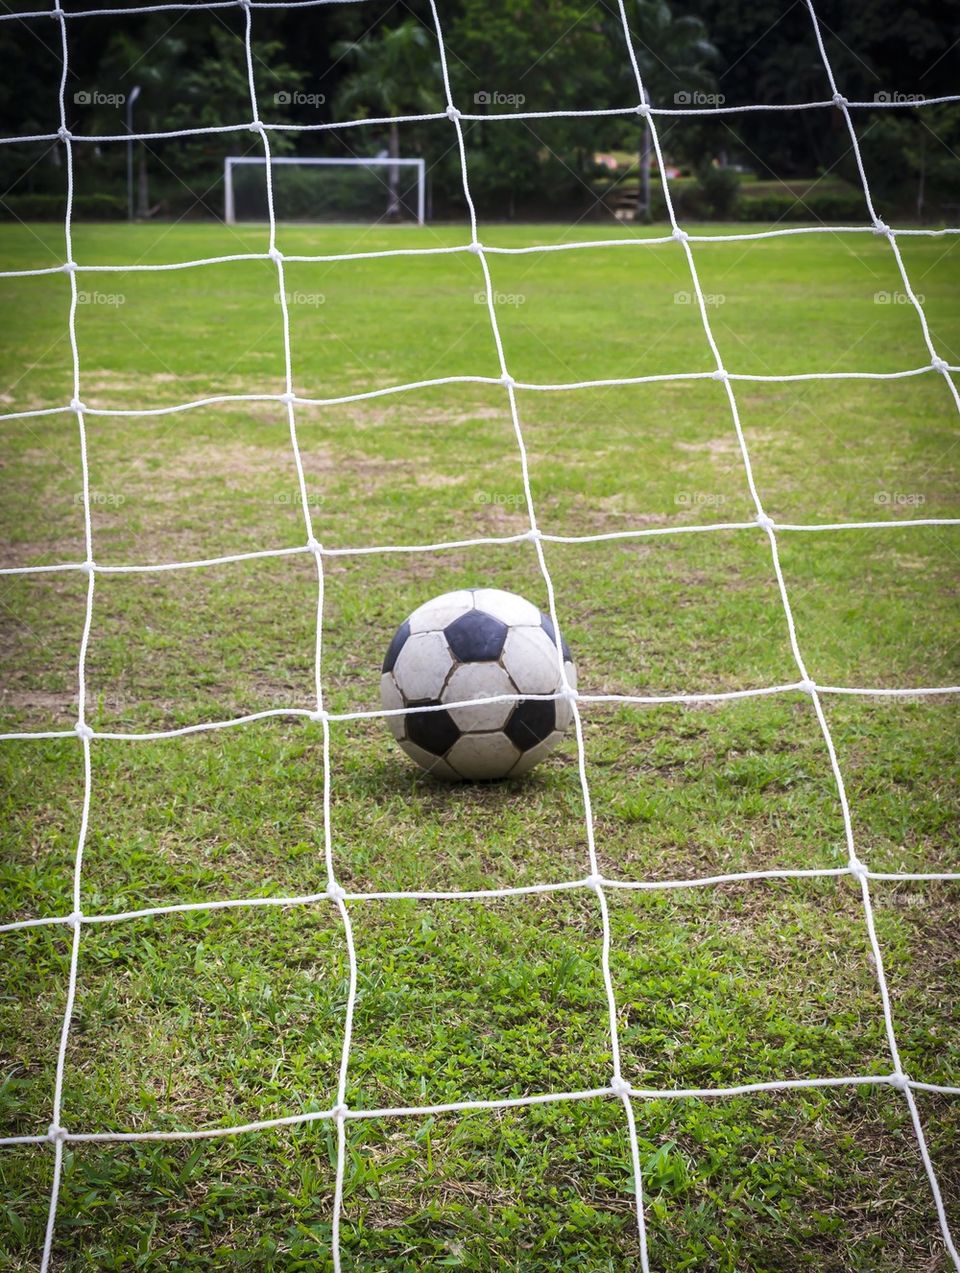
(397,73)
(673,54)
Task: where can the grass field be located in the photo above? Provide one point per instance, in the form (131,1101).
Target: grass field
(217,1018)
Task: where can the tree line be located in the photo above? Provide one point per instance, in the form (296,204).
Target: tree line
(329,64)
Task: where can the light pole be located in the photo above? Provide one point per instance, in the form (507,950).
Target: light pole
(134,94)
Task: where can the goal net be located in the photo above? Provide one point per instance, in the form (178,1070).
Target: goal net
(362,190)
(319,185)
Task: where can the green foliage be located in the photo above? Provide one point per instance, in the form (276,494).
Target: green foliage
(829,207)
(911,157)
(767,53)
(503,56)
(718,191)
(396,72)
(53,207)
(560,56)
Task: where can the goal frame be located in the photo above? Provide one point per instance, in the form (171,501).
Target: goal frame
(233,161)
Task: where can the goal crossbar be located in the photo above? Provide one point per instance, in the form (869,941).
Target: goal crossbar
(233,161)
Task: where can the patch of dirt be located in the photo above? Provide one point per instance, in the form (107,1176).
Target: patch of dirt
(116,389)
(715,446)
(62,704)
(70,548)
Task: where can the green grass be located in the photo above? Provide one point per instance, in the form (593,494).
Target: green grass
(219,1018)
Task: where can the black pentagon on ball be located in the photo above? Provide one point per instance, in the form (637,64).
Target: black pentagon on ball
(476,637)
(435,732)
(547,624)
(532,721)
(396,645)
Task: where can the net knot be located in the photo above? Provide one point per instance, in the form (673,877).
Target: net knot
(619,1086)
(64,133)
(83,730)
(56,1134)
(74,919)
(680,235)
(880,227)
(720,374)
(288,399)
(340,1112)
(314,546)
(899,1080)
(839,100)
(335,891)
(765,522)
(451,112)
(88,567)
(69,267)
(76,405)
(507,381)
(275,255)
(594,881)
(807,686)
(939,364)
(319,716)
(476,246)
(858,868)
(533,534)
(256,126)
(643,109)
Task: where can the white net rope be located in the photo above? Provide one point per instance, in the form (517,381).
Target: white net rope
(593,880)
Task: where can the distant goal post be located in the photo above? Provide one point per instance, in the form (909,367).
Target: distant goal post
(386,169)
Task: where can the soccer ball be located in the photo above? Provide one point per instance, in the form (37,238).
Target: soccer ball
(476,643)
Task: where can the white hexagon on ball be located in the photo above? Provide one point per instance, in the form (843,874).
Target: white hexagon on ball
(392,700)
(423,666)
(434,765)
(564,707)
(530,658)
(533,757)
(483,755)
(479,680)
(433,616)
(506,606)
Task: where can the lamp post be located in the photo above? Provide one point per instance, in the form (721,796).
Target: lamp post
(134,94)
